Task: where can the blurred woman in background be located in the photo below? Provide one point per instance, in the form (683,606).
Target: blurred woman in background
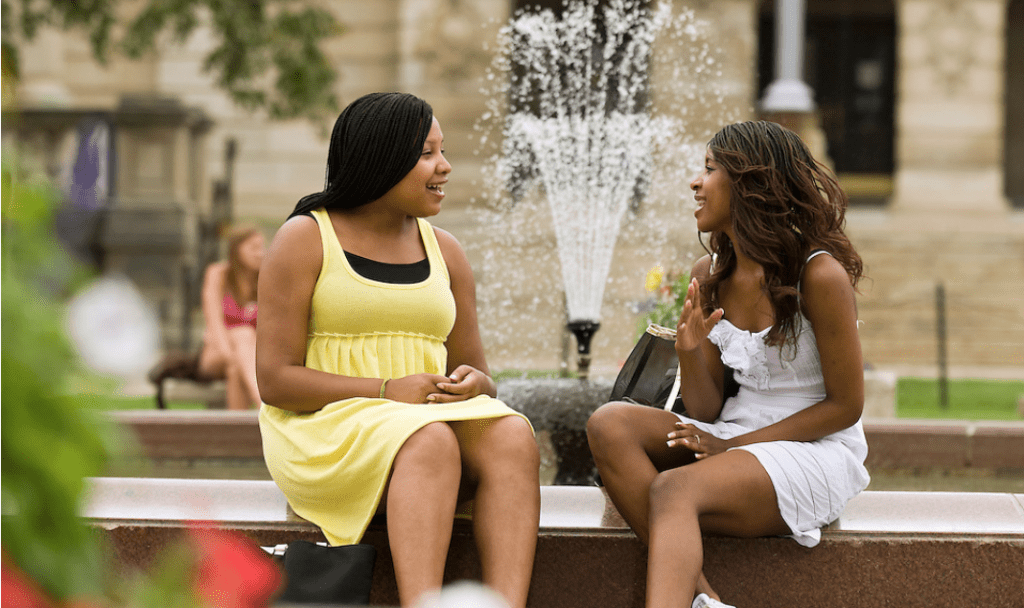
(229,312)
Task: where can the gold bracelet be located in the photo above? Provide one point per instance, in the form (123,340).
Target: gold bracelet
(383,385)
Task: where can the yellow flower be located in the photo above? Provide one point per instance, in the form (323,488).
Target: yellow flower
(654,277)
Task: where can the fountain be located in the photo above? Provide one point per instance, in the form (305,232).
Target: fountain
(583,111)
(582,119)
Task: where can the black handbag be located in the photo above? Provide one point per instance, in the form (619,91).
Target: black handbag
(316,573)
(649,373)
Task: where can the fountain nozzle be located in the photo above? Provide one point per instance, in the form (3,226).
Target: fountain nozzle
(584,331)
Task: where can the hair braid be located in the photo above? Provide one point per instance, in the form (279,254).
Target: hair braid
(375,142)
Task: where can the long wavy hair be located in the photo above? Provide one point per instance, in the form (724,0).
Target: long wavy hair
(241,281)
(784,205)
(375,142)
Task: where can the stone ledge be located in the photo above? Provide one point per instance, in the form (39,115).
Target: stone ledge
(892,444)
(888,548)
(910,443)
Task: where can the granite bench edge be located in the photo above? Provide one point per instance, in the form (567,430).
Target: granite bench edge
(564,509)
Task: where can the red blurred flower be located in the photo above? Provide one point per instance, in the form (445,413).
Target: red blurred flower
(19,591)
(232,571)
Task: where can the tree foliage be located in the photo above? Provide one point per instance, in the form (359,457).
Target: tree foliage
(266,53)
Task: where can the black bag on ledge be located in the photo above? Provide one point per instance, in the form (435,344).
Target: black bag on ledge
(649,374)
(316,573)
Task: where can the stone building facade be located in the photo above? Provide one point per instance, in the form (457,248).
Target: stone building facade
(937,185)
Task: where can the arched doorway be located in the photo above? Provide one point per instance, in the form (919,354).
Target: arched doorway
(850,64)
(1013,155)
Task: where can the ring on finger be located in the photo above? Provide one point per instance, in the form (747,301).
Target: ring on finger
(698,438)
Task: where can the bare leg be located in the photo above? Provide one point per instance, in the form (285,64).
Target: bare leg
(212,362)
(234,388)
(243,355)
(629,445)
(216,363)
(728,494)
(421,499)
(500,458)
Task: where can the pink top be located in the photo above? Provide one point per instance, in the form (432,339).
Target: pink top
(236,316)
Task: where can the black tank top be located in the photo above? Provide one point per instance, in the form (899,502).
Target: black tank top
(396,274)
(382,272)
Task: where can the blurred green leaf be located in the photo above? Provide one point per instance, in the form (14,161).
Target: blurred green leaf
(266,53)
(48,444)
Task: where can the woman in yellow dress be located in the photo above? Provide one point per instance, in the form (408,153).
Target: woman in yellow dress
(377,396)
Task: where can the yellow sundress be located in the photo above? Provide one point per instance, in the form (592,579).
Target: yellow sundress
(333,464)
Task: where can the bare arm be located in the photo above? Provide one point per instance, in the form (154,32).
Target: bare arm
(214,280)
(700,363)
(830,306)
(467,365)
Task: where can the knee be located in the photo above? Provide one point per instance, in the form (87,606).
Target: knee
(510,441)
(670,489)
(231,368)
(606,427)
(434,447)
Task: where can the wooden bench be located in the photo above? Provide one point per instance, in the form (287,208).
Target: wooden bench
(176,377)
(887,549)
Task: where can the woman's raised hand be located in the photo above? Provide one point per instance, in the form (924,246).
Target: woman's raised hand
(694,327)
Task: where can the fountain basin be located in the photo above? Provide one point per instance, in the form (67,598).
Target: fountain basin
(560,408)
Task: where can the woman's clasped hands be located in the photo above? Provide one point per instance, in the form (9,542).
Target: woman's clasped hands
(464,383)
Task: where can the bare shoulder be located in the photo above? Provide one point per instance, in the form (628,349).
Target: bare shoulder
(450,249)
(216,271)
(825,284)
(701,268)
(446,240)
(825,269)
(297,243)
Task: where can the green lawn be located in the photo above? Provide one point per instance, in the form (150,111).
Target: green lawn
(968,399)
(528,374)
(120,402)
(97,392)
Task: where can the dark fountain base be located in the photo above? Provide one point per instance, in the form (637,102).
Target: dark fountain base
(561,407)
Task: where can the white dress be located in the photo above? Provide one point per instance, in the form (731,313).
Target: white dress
(813,479)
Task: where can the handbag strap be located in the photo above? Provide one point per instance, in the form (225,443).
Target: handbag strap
(676,386)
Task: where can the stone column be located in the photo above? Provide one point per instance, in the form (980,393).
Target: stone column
(788,92)
(950,116)
(789,100)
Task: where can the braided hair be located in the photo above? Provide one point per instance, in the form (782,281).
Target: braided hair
(784,204)
(376,141)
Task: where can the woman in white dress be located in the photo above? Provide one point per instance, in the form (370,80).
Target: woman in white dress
(774,301)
